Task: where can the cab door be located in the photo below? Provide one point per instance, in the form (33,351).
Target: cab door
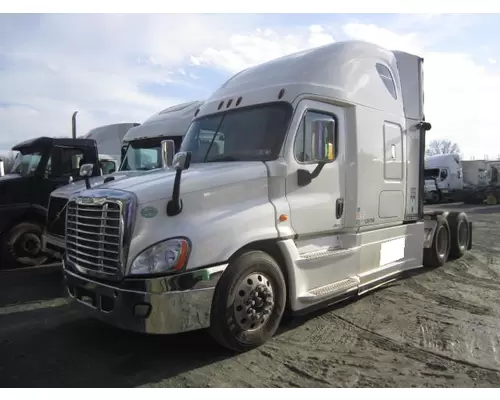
(327,260)
(318,207)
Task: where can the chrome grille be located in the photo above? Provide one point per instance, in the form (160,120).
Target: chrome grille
(94,234)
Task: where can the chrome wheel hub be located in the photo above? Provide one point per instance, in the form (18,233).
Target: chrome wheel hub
(254,301)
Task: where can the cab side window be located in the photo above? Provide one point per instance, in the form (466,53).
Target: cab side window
(303,146)
(71,160)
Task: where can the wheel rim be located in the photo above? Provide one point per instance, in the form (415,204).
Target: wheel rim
(26,247)
(254,302)
(442,241)
(463,234)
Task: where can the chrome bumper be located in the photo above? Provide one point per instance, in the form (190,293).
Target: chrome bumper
(165,305)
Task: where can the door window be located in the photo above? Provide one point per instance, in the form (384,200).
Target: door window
(303,148)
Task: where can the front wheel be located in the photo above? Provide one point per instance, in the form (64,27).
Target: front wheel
(249,302)
(21,246)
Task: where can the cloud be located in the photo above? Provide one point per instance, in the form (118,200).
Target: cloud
(461,95)
(121,67)
(110,67)
(261,45)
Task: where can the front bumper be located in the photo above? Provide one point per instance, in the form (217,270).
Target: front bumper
(54,245)
(165,305)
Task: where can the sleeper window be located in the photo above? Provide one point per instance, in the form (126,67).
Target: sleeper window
(386,77)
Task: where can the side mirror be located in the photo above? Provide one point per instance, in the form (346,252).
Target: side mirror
(86,172)
(75,161)
(167,153)
(182,160)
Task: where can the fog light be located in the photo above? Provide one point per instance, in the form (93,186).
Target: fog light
(142,310)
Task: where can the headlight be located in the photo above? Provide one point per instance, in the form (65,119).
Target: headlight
(168,256)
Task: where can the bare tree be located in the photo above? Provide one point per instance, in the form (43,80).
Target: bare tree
(445,146)
(8,160)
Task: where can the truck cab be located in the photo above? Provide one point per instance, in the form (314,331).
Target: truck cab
(299,183)
(140,154)
(41,166)
(109,139)
(445,172)
(107,164)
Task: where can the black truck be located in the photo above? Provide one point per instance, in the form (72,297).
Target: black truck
(42,165)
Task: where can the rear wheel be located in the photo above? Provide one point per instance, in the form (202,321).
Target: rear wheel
(21,246)
(437,254)
(459,232)
(249,302)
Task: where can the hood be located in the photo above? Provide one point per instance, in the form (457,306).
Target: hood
(9,177)
(158,184)
(68,190)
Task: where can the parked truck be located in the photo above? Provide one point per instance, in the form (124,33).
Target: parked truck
(41,165)
(443,177)
(310,192)
(109,139)
(140,153)
(447,178)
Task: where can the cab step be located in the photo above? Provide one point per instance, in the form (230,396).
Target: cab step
(330,290)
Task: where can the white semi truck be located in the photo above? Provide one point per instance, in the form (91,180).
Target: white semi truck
(109,139)
(310,192)
(443,177)
(447,178)
(140,153)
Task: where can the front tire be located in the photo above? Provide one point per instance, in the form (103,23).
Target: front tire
(21,246)
(249,302)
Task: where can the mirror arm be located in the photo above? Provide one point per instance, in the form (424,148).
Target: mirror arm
(305,177)
(317,170)
(174,206)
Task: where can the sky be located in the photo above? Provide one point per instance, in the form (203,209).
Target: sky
(124,68)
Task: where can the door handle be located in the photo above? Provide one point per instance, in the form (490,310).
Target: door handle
(339,208)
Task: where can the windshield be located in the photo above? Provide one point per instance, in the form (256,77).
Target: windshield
(145,154)
(107,166)
(431,173)
(247,134)
(26,164)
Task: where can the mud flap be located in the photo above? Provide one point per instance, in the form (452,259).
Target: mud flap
(469,245)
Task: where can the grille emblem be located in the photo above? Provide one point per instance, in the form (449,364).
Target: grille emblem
(90,200)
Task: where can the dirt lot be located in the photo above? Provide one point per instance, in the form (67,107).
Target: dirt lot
(436,328)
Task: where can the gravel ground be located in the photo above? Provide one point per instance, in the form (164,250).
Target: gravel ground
(434,328)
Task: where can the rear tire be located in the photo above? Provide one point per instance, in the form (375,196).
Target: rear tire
(437,255)
(249,302)
(459,230)
(21,246)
